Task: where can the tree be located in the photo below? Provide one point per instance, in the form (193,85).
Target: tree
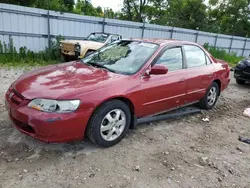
(187,13)
(220,16)
(69,4)
(134,10)
(230,17)
(156,11)
(86,8)
(109,13)
(18,2)
(179,13)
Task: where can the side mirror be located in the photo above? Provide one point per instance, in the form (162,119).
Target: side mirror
(158,69)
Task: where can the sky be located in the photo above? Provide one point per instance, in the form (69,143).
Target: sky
(114,4)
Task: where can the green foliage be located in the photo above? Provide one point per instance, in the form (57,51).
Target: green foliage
(230,17)
(179,13)
(218,53)
(10,56)
(86,8)
(217,16)
(19,2)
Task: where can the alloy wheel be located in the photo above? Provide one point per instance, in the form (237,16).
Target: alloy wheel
(113,125)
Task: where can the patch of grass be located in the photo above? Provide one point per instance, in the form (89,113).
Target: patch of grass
(10,57)
(25,63)
(232,58)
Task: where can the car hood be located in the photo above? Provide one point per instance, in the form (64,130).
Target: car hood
(87,43)
(245,61)
(64,81)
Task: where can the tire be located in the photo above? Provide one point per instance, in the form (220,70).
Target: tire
(208,102)
(105,130)
(66,58)
(241,82)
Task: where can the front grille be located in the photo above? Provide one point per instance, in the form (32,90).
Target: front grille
(237,71)
(68,47)
(247,70)
(23,126)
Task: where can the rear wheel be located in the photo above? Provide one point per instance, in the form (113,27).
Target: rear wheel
(210,99)
(66,58)
(109,124)
(241,82)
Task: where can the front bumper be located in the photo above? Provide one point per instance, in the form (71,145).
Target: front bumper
(47,127)
(242,73)
(75,54)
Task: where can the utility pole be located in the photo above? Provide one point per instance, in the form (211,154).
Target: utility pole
(104,18)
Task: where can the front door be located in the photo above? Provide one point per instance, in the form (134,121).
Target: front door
(165,92)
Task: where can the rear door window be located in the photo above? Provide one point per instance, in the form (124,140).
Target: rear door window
(195,57)
(208,60)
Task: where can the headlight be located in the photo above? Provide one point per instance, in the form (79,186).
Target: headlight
(241,64)
(47,105)
(77,48)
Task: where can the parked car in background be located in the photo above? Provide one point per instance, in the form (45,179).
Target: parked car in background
(242,71)
(103,94)
(75,49)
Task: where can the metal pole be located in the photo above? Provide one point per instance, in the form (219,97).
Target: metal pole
(230,48)
(197,35)
(48,19)
(215,42)
(143,28)
(245,43)
(103,21)
(171,34)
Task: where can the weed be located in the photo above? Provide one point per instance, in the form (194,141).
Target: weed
(218,53)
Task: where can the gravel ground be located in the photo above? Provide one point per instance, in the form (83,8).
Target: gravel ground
(185,152)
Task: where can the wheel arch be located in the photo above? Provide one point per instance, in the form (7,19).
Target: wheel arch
(217,81)
(127,101)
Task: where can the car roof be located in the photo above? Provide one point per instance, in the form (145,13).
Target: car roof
(162,41)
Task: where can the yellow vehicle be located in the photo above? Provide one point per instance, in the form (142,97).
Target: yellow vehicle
(75,49)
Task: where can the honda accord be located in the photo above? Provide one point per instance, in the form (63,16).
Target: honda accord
(103,94)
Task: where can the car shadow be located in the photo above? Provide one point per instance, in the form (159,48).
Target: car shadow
(23,146)
(36,149)
(243,86)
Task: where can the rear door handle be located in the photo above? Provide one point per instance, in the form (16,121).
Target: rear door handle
(182,80)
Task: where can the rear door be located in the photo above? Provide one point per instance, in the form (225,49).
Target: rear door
(167,91)
(200,72)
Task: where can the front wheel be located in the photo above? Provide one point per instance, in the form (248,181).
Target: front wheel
(210,99)
(109,124)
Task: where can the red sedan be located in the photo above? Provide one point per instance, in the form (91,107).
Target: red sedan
(103,94)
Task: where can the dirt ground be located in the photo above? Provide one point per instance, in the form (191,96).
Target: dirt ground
(185,152)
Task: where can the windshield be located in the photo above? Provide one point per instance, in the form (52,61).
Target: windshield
(98,37)
(125,57)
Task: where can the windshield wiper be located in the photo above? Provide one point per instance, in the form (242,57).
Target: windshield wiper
(101,66)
